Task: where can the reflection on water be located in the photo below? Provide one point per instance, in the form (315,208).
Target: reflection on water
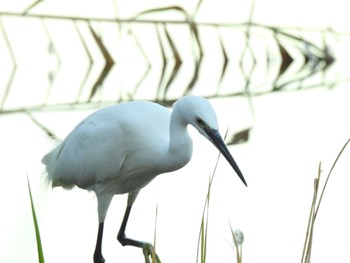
(158,54)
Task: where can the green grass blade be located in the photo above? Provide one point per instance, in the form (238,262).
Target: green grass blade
(203,242)
(36,226)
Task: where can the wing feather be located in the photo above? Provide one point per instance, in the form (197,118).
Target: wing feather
(118,142)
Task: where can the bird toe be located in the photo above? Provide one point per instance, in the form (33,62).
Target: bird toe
(150,252)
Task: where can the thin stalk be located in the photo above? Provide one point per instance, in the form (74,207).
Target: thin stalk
(236,244)
(306,256)
(315,206)
(203,232)
(154,255)
(329,174)
(238,238)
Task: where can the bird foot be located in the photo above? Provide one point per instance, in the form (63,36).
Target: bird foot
(150,253)
(98,258)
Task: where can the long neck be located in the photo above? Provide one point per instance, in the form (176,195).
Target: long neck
(180,142)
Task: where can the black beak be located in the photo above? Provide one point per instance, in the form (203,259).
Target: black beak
(220,144)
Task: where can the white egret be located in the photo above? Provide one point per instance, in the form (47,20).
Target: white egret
(120,149)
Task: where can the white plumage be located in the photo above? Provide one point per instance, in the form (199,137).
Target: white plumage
(121,148)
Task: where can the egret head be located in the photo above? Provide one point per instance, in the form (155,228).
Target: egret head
(198,112)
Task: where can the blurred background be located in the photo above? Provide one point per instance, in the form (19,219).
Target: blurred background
(277,74)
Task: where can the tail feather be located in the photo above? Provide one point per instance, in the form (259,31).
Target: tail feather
(49,177)
(64,185)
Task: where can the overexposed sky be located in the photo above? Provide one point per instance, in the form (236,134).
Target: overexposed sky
(292,133)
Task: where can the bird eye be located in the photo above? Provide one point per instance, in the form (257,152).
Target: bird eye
(199,121)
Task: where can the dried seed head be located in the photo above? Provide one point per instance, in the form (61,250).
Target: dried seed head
(239,237)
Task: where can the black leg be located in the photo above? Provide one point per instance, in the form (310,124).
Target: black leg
(121,235)
(98,258)
(148,250)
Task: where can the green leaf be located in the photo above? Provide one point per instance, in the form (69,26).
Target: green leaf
(36,226)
